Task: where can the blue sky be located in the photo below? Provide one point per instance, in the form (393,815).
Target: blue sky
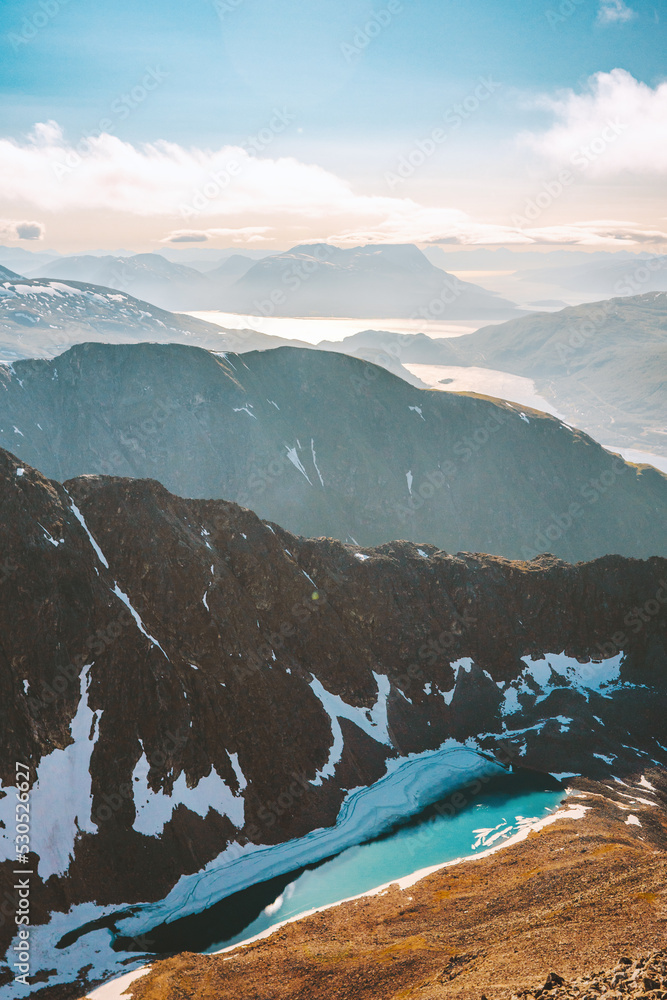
(354,108)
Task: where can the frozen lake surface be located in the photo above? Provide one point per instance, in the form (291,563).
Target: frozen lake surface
(432,840)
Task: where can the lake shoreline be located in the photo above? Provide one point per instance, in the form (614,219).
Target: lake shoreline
(570,896)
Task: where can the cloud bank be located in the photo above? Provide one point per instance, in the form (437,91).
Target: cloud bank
(195,195)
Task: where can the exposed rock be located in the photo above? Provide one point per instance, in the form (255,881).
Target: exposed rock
(144,643)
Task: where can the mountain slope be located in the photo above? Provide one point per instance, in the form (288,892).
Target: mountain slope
(41,318)
(148,654)
(230,269)
(602,363)
(327,444)
(148,276)
(20,260)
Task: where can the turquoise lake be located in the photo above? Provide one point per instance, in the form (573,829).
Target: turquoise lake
(429,840)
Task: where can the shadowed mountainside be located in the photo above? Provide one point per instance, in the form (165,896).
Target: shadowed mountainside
(326,444)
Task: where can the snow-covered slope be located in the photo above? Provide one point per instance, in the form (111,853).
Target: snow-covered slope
(39,318)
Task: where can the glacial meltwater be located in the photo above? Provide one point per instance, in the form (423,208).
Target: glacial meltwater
(443,832)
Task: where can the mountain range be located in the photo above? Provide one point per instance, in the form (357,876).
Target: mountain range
(598,364)
(376,280)
(147,276)
(163,690)
(308,280)
(40,319)
(601,364)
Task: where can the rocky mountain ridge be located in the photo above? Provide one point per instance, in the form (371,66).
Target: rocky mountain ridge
(144,639)
(326,444)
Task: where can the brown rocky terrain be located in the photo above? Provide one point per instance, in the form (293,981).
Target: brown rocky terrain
(190,639)
(644,977)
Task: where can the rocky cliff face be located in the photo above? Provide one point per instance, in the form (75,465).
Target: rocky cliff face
(326,444)
(180,678)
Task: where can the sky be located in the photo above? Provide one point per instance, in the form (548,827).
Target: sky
(267,123)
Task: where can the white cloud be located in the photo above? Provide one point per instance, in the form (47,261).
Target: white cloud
(165,179)
(196,195)
(21,230)
(613,11)
(613,102)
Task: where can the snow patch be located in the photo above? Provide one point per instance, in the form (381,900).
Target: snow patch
(312,448)
(61,793)
(372,721)
(140,625)
(294,459)
(154,809)
(240,776)
(117,988)
(79,516)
